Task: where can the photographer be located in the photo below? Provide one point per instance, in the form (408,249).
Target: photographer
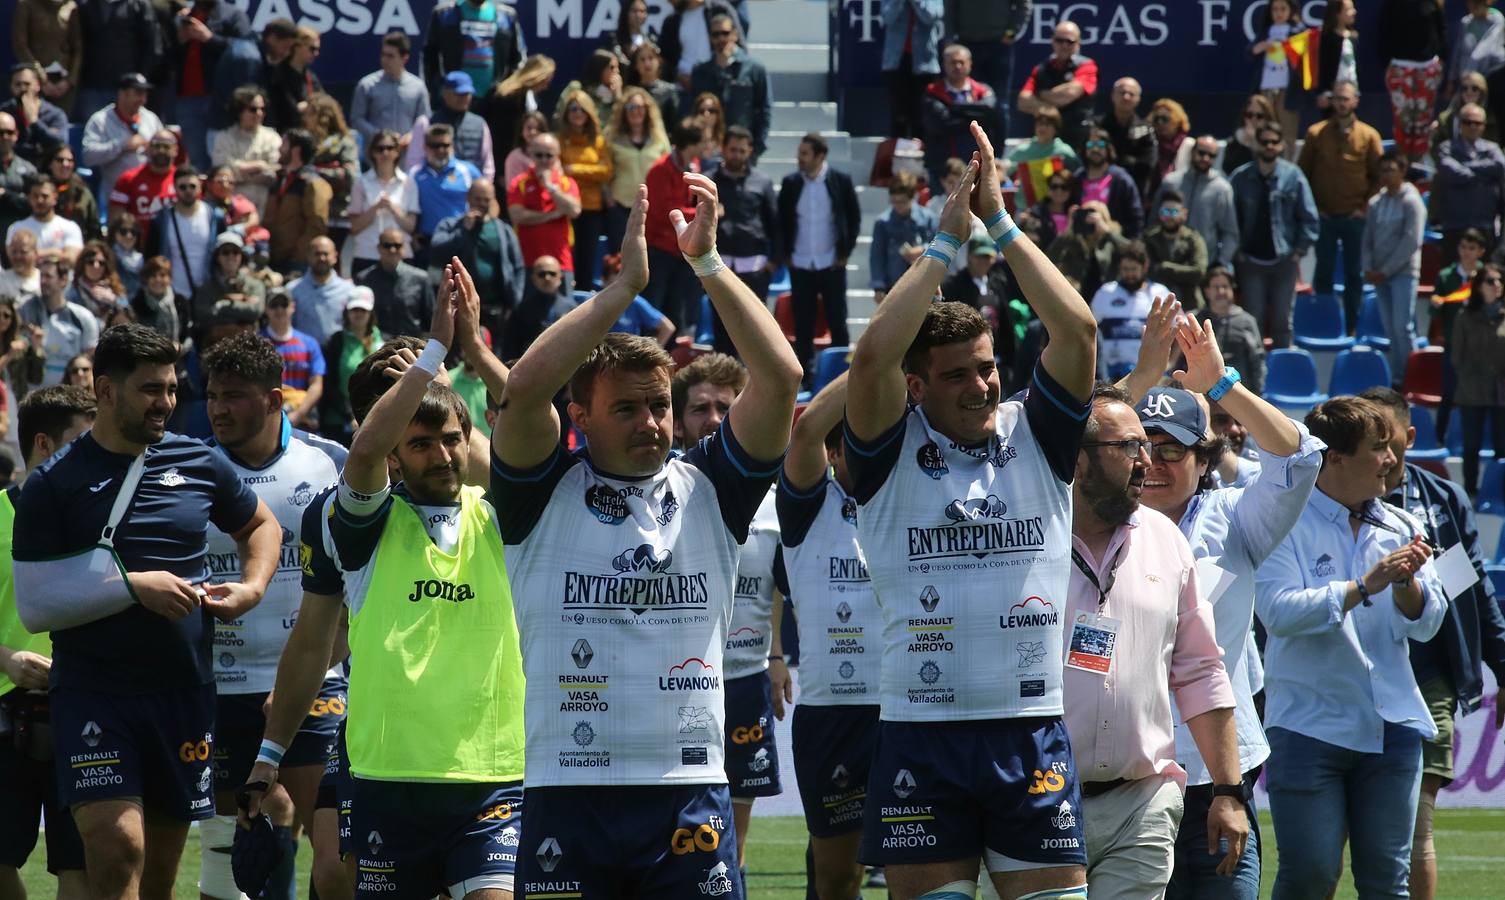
(1087,252)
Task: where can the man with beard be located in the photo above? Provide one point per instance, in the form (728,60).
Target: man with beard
(962,500)
(110,551)
(434,732)
(1122,307)
(1140,623)
(298,210)
(1101,178)
(147,189)
(1209,201)
(1340,597)
(627,559)
(1231,532)
(1277,222)
(285,468)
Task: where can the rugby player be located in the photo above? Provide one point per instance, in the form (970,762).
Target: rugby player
(756,677)
(836,722)
(129,609)
(624,562)
(430,813)
(1233,529)
(964,514)
(286,469)
(49,418)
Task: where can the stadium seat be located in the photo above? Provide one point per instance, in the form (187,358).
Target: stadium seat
(829,365)
(1291,379)
(1318,323)
(1357,370)
(705,329)
(783,313)
(1435,466)
(1491,497)
(1496,574)
(779,284)
(683,351)
(1423,381)
(1426,446)
(1371,328)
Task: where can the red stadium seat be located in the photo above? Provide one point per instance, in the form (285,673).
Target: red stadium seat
(783,313)
(685,351)
(1423,382)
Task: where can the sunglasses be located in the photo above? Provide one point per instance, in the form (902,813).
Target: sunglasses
(543,155)
(1170,210)
(635,107)
(1494,280)
(390,245)
(388,148)
(1063,41)
(94,261)
(1060,187)
(1474,123)
(1096,145)
(8,132)
(1169,452)
(1256,116)
(434,146)
(722,33)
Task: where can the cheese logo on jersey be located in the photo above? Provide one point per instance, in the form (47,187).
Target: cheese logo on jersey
(1033,612)
(640,581)
(608,504)
(931,461)
(302,495)
(1323,567)
(975,527)
(694,674)
(171,478)
(849,510)
(989,507)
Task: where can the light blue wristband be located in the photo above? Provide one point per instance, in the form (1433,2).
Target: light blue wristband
(271,752)
(1225,384)
(943,248)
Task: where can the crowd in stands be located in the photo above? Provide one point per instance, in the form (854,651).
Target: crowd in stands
(215,179)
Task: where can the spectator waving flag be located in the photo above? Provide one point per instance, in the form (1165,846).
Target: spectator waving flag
(1301,50)
(1034,177)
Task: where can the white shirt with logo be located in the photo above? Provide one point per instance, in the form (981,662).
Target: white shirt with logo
(751,633)
(1121,315)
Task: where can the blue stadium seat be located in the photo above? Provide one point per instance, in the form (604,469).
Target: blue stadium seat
(1426,446)
(779,284)
(705,328)
(1357,370)
(1318,323)
(829,365)
(1491,498)
(1496,575)
(1291,379)
(1371,328)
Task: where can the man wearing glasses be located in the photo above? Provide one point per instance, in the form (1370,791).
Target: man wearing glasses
(739,80)
(1138,622)
(1208,200)
(541,202)
(14,174)
(1066,81)
(442,181)
(1277,224)
(1464,192)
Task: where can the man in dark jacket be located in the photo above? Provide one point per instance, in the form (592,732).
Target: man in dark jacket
(947,109)
(203,32)
(818,222)
(249,61)
(121,36)
(403,296)
(739,80)
(1449,667)
(747,232)
(481,38)
(1133,141)
(41,126)
(1067,80)
(983,284)
(489,249)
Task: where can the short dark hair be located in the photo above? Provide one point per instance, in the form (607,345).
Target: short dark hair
(1342,423)
(1135,251)
(1271,126)
(817,143)
(246,356)
(1218,271)
(51,411)
(1474,235)
(1105,393)
(1389,399)
(439,401)
(948,322)
(398,41)
(1393,156)
(186,170)
(303,140)
(282,28)
(618,352)
(242,98)
(1171,195)
(904,184)
(369,380)
(687,133)
(124,348)
(739,133)
(719,369)
(39,179)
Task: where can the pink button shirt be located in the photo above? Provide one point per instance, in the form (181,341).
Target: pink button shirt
(1120,722)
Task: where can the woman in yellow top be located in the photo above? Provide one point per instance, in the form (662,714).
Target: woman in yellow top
(636,140)
(583,153)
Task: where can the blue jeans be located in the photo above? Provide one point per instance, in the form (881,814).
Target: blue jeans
(993,65)
(192,116)
(1348,231)
(1397,301)
(1196,876)
(1319,792)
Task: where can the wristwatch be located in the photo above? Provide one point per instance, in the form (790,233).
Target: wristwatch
(1239,792)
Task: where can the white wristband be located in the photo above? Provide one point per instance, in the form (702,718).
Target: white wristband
(270,753)
(432,357)
(707,265)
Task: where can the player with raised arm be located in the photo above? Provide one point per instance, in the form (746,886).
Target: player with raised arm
(623,561)
(835,726)
(111,557)
(964,513)
(286,469)
(434,729)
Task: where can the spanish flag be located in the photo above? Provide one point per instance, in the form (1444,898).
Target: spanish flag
(1458,296)
(1034,177)
(1301,52)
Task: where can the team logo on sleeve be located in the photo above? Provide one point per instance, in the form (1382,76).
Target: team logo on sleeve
(608,504)
(931,461)
(671,506)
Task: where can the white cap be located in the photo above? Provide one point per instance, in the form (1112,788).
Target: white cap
(361,298)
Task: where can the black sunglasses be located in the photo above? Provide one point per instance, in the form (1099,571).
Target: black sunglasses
(391,245)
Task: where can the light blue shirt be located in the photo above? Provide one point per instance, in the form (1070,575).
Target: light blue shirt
(320,308)
(1332,675)
(1237,528)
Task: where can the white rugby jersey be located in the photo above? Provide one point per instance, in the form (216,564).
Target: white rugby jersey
(751,633)
(969,553)
(247,649)
(623,594)
(837,614)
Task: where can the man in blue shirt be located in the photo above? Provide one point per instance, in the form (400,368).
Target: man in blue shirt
(442,182)
(1339,598)
(123,593)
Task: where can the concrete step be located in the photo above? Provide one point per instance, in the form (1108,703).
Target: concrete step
(873,200)
(863,150)
(811,86)
(785,145)
(803,117)
(791,21)
(783,59)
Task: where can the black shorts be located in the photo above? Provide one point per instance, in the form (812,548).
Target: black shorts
(334,788)
(420,840)
(158,747)
(833,754)
(28,789)
(752,757)
(239,725)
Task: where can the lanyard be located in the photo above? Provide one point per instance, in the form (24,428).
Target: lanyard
(1086,570)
